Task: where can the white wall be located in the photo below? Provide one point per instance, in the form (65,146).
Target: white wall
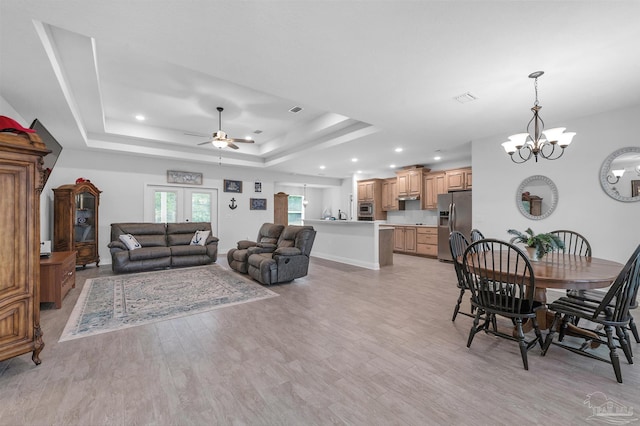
(610,226)
(122,180)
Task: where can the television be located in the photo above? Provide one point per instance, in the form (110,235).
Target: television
(51,143)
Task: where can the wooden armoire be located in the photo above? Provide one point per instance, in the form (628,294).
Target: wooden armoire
(21,181)
(75,221)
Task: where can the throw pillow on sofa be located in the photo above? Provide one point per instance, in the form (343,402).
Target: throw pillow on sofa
(130,241)
(199,238)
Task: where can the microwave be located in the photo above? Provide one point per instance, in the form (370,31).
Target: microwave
(365,209)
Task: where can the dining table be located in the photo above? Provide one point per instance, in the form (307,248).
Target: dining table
(557,270)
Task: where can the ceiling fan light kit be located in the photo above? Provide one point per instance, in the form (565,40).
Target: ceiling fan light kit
(539,143)
(220,139)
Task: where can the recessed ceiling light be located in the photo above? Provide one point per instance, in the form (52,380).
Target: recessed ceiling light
(393,166)
(323,167)
(140,117)
(437,158)
(398,149)
(354,160)
(359,171)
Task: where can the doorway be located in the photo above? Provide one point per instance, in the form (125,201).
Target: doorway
(173,204)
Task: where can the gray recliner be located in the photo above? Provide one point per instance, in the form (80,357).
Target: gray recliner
(289,261)
(266,242)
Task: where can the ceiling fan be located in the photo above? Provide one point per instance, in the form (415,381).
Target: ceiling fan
(220,139)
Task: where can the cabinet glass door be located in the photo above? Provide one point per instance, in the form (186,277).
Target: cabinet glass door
(84,220)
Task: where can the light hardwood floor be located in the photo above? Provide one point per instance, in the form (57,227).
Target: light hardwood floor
(343,345)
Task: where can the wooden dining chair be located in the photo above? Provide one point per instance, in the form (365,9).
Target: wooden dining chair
(612,313)
(574,243)
(502,283)
(476,235)
(458,243)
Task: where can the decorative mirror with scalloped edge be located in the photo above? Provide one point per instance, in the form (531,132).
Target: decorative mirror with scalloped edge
(620,174)
(537,197)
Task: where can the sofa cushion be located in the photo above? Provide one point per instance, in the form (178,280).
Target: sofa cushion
(145,253)
(179,234)
(147,234)
(187,250)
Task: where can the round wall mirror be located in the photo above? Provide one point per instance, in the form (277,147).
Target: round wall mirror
(620,174)
(537,197)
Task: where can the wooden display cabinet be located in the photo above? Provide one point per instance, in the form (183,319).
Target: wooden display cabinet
(75,221)
(21,181)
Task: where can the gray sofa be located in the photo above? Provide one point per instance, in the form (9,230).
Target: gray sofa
(266,242)
(289,260)
(162,246)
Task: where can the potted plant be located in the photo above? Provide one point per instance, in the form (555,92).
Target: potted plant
(537,244)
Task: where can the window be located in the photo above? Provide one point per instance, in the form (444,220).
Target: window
(296,209)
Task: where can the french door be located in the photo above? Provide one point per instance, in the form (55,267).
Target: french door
(171,204)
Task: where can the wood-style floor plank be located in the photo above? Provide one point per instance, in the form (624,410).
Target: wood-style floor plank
(342,346)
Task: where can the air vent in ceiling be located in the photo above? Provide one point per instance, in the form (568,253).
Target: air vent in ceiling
(465,97)
(257,132)
(295,109)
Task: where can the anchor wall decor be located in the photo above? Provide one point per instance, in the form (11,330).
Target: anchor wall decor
(233,204)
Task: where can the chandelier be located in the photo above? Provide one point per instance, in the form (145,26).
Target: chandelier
(539,143)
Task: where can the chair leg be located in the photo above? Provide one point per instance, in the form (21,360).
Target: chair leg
(552,331)
(615,360)
(522,343)
(457,308)
(474,327)
(634,330)
(536,329)
(563,327)
(623,338)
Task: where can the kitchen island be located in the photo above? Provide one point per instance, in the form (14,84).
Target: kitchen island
(368,244)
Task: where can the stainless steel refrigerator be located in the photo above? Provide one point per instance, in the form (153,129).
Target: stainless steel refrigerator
(454,214)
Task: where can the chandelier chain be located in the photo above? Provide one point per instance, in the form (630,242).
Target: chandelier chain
(535,85)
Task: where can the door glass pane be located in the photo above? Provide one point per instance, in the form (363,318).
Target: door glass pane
(85,218)
(166,207)
(296,211)
(200,207)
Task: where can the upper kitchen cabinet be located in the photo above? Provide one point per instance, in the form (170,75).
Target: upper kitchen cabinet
(458,179)
(390,195)
(410,182)
(434,185)
(366,190)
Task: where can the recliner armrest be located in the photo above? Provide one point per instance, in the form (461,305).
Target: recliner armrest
(245,244)
(288,251)
(258,249)
(117,245)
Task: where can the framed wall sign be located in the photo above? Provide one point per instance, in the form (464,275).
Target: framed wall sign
(257,186)
(191,178)
(233,186)
(258,203)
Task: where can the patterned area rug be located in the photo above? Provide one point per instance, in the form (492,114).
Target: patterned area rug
(122,301)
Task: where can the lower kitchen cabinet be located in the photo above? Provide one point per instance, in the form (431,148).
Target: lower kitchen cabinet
(420,240)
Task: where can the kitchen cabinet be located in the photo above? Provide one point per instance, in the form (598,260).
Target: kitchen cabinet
(390,195)
(427,241)
(366,190)
(434,185)
(405,239)
(459,179)
(410,182)
(370,191)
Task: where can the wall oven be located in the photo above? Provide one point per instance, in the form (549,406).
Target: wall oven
(365,210)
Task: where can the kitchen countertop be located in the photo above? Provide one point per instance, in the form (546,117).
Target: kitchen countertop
(411,224)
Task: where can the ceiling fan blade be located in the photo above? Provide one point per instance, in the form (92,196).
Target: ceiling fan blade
(241,140)
(232,145)
(204,143)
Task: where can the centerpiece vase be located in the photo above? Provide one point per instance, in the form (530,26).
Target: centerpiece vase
(531,251)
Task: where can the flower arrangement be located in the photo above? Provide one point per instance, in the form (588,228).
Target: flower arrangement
(542,243)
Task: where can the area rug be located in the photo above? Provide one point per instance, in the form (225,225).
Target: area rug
(121,301)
